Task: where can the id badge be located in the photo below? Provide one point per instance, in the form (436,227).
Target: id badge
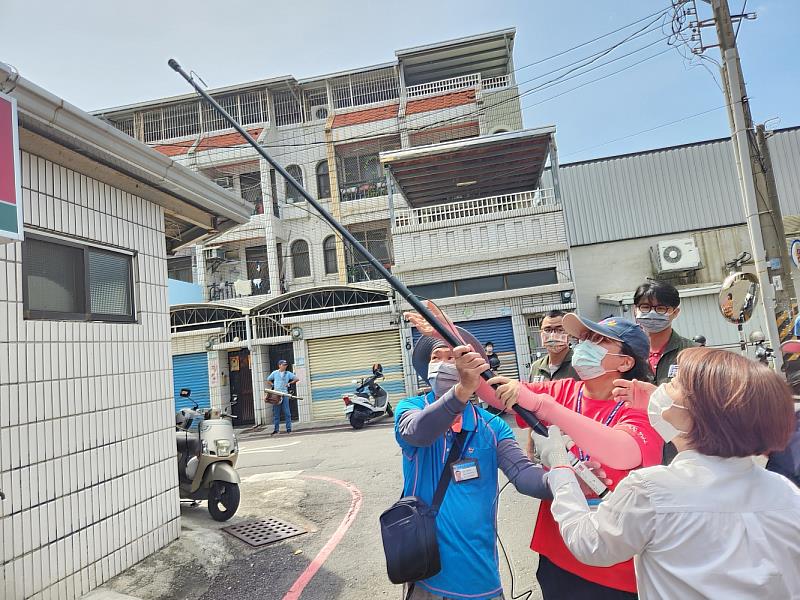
(673,371)
(466,470)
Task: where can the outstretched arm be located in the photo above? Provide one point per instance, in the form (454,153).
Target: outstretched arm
(526,477)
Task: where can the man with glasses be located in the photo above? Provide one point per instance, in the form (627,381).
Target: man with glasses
(656,306)
(557,363)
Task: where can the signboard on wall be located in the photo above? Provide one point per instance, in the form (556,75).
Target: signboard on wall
(10,179)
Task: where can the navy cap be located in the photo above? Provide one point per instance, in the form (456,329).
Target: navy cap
(282,362)
(421,356)
(613,328)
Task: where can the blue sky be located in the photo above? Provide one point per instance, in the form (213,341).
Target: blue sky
(98,54)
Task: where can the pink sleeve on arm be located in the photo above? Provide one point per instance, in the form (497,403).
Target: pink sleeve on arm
(613,447)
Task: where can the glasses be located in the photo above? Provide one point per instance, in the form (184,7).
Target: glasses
(553,330)
(659,308)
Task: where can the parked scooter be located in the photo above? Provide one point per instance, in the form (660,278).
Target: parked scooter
(365,406)
(207,453)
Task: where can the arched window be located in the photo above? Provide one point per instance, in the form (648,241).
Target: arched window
(301,259)
(292,195)
(329,250)
(323,181)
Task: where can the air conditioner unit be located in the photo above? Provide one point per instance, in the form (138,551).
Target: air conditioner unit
(225,181)
(669,256)
(215,255)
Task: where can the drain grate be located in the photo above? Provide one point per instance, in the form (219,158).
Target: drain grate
(263,531)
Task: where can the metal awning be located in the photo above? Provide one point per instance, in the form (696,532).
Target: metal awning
(492,165)
(488,54)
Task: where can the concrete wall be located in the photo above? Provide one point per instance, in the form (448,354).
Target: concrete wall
(87,454)
(615,267)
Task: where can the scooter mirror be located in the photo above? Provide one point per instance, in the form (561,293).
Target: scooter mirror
(185,392)
(377,368)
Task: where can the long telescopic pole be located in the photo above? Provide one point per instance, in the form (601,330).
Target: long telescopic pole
(398,285)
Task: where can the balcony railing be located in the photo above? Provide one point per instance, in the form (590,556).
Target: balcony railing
(456,213)
(363,271)
(361,190)
(227,290)
(453,84)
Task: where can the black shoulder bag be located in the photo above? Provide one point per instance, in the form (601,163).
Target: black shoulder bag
(408,529)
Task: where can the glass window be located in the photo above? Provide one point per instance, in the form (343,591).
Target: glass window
(480,285)
(443,289)
(531,279)
(65,281)
(329,250)
(180,268)
(301,259)
(323,180)
(292,195)
(251,191)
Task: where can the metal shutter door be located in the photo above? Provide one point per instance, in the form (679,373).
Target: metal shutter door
(501,333)
(336,361)
(191,371)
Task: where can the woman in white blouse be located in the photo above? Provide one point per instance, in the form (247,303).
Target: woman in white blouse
(712,524)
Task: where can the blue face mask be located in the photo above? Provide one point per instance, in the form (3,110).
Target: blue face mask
(652,322)
(587,360)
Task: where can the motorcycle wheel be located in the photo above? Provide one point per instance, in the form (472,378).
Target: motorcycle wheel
(389,410)
(223,500)
(356,420)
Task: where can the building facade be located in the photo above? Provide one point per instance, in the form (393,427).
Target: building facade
(283,286)
(87,449)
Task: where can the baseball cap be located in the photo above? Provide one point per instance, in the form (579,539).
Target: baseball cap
(613,328)
(282,362)
(421,356)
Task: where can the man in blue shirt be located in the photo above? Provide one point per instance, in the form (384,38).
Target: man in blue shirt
(279,380)
(425,429)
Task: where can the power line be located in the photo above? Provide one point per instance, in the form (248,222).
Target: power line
(739,24)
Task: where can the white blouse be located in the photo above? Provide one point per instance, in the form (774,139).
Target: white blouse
(702,527)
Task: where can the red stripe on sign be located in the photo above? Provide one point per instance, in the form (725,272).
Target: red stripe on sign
(8,188)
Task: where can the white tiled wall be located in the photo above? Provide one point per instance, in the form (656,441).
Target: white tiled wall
(86,444)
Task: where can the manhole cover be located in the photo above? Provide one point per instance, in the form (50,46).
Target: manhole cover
(263,531)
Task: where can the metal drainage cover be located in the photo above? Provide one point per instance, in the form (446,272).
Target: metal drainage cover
(264,531)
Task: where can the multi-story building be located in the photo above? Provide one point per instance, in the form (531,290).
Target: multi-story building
(421,158)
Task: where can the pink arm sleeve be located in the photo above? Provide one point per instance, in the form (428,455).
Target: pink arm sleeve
(612,447)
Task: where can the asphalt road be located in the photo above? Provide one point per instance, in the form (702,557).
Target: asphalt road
(313,480)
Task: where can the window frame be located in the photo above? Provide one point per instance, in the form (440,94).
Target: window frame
(294,259)
(289,190)
(325,257)
(84,294)
(327,178)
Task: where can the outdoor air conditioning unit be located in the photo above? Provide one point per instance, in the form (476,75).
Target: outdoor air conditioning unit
(226,181)
(669,256)
(215,255)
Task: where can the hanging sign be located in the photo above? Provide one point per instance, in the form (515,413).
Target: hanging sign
(10,180)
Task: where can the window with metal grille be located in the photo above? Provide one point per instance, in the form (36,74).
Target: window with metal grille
(316,104)
(253,107)
(257,269)
(301,259)
(250,184)
(124,125)
(212,120)
(329,253)
(181,120)
(67,281)
(292,195)
(323,180)
(365,88)
(152,124)
(377,242)
(287,108)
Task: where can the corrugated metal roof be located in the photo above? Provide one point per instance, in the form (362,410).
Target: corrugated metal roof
(668,190)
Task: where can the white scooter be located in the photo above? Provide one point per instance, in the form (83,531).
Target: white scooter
(207,453)
(364,406)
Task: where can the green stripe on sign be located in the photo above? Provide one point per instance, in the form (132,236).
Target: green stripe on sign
(8,218)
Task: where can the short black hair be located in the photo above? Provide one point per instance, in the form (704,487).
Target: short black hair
(641,368)
(664,293)
(488,344)
(554,314)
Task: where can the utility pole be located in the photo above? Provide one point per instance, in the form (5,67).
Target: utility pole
(762,211)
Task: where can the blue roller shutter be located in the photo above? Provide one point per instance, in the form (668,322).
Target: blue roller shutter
(191,371)
(501,333)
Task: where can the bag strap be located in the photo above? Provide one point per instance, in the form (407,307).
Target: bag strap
(444,480)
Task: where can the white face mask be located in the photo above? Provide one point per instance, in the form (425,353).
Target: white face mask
(652,322)
(442,377)
(660,402)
